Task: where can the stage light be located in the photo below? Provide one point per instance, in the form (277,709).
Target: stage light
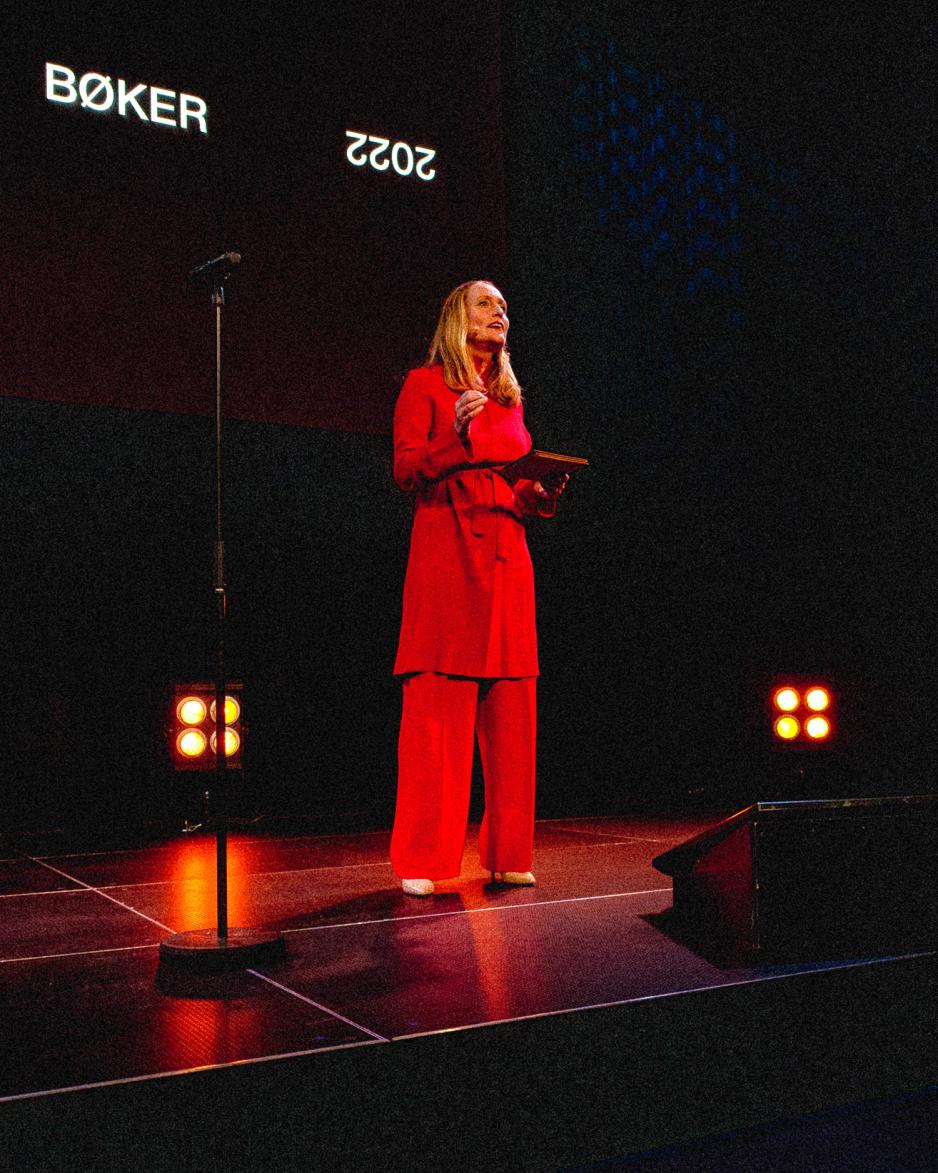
(193,736)
(191,711)
(817,699)
(191,743)
(787,727)
(232,710)
(787,699)
(800,711)
(232,742)
(817,727)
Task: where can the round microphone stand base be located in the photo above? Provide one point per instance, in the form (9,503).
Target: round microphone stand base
(205,950)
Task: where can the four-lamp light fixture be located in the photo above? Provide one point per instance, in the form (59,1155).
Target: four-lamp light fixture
(802,715)
(194,733)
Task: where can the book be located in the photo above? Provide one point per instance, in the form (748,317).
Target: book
(537,465)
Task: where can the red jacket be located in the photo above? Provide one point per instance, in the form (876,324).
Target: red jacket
(469,589)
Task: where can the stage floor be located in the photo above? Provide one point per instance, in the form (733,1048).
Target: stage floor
(83,1003)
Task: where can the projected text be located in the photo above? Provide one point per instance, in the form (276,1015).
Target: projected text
(102,95)
(379,154)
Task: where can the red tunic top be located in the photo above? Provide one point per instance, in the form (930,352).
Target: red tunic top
(469,589)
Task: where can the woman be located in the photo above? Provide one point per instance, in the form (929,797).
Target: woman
(468,650)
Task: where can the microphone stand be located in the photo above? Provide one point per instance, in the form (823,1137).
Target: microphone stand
(219,587)
(221,947)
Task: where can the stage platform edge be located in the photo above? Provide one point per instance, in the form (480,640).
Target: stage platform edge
(547,1092)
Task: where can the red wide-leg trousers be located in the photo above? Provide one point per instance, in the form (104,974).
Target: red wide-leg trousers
(441,717)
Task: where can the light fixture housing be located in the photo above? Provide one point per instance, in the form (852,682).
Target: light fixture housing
(801,712)
(193,732)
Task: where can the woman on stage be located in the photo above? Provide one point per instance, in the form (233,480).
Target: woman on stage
(468,649)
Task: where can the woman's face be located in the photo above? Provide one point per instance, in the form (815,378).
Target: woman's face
(487,317)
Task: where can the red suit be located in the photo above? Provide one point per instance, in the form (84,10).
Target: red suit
(468,648)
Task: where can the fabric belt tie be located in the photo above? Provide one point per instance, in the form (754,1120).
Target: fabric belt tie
(474,498)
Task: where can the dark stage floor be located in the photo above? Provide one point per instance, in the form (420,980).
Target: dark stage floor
(86,1019)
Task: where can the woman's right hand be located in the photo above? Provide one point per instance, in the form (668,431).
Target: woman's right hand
(468,406)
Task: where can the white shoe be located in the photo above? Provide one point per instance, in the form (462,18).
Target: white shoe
(417,887)
(523,879)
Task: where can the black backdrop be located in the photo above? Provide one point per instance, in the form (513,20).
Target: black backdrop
(762,484)
(763,494)
(104,215)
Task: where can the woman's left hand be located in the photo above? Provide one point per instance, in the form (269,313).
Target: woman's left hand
(550,488)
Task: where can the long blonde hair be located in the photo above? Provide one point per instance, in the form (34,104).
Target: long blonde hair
(450,349)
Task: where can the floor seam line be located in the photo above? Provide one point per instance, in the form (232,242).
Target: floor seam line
(621,838)
(470,911)
(319,1006)
(103,895)
(154,1075)
(79,953)
(249,875)
(44,892)
(752,981)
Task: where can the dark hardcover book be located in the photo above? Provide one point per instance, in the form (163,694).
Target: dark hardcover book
(538,465)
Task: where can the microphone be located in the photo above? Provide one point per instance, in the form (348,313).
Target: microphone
(215,271)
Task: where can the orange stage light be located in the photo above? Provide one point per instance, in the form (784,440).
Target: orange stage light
(786,699)
(193,737)
(817,728)
(787,727)
(191,743)
(191,711)
(817,699)
(796,710)
(232,742)
(232,710)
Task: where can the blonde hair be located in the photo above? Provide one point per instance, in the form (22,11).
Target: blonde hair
(449,349)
